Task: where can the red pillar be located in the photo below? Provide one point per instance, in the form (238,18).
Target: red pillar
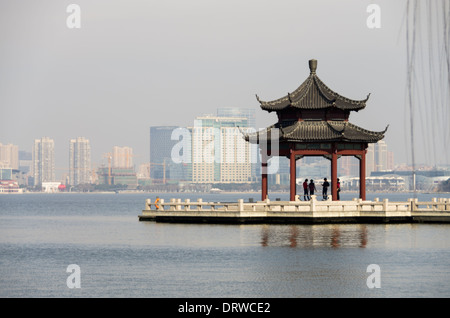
(264,189)
(362,176)
(334,175)
(292,176)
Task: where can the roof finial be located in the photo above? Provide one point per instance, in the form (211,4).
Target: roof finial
(313,66)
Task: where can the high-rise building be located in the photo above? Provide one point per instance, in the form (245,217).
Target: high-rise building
(370,159)
(120,170)
(379,158)
(9,156)
(348,166)
(219,153)
(25,161)
(43,168)
(161,165)
(248,113)
(161,143)
(381,155)
(390,160)
(79,161)
(122,157)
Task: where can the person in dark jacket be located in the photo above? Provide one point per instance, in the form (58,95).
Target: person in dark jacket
(325,186)
(305,190)
(312,187)
(338,189)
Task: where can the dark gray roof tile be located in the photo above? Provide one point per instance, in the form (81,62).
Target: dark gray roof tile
(314,131)
(313,94)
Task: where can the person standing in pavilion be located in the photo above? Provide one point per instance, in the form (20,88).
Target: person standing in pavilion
(305,190)
(312,187)
(325,186)
(338,189)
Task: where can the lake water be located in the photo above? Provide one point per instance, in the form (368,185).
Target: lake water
(118,256)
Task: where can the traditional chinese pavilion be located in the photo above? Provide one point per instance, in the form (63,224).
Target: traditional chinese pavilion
(313,121)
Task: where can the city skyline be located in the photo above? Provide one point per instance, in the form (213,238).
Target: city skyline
(116,173)
(122,156)
(119,73)
(379,156)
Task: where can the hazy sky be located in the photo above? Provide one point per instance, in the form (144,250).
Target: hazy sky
(135,64)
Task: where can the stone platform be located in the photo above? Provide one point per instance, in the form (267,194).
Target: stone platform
(299,212)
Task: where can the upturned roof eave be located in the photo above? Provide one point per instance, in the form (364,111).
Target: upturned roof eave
(312,82)
(332,131)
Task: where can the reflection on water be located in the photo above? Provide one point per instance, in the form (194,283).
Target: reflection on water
(335,236)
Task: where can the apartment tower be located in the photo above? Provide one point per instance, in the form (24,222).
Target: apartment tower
(43,157)
(9,156)
(79,161)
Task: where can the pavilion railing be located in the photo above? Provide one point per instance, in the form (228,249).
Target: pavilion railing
(314,205)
